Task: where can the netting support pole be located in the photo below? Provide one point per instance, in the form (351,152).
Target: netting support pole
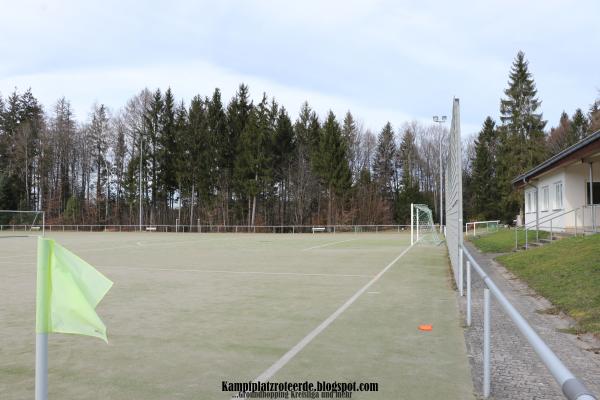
(460,271)
(486,343)
(43,223)
(468,293)
(412,240)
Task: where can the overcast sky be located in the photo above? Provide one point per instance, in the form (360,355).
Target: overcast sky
(383,60)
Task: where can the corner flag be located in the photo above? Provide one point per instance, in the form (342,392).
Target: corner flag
(68,291)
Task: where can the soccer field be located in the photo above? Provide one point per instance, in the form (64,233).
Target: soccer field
(189,311)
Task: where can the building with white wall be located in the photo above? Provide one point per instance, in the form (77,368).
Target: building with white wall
(558,194)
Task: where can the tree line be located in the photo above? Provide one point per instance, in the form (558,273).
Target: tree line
(239,162)
(503,150)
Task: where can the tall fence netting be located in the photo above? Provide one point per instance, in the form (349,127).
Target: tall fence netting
(454,207)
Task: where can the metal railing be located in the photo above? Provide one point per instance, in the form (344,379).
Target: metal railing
(198,228)
(572,388)
(546,222)
(593,226)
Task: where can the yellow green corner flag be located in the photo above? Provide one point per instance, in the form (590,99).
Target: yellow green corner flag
(68,291)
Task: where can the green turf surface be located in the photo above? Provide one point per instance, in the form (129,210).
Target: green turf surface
(503,240)
(188,311)
(567,273)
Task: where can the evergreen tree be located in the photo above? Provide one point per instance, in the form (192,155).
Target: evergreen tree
(521,133)
(304,183)
(385,160)
(253,158)
(217,126)
(238,113)
(560,137)
(284,152)
(350,133)
(152,120)
(168,150)
(579,125)
(483,174)
(98,134)
(332,163)
(202,155)
(409,185)
(594,116)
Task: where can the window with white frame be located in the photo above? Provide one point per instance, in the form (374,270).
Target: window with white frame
(546,198)
(558,199)
(530,203)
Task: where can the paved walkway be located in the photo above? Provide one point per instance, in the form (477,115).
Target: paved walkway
(517,372)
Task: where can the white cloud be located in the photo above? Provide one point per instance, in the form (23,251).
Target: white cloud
(383,59)
(113,86)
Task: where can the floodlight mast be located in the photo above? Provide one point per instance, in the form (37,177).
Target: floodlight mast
(140,179)
(440,121)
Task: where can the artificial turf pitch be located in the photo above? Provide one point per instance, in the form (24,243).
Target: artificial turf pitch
(189,311)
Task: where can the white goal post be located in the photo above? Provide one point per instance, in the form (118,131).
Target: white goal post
(486,226)
(14,221)
(422,228)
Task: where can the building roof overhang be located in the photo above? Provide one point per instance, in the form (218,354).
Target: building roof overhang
(581,150)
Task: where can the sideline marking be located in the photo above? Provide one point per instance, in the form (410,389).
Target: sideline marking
(135,246)
(214,271)
(272,370)
(328,244)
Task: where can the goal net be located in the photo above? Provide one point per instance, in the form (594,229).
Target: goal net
(422,227)
(21,223)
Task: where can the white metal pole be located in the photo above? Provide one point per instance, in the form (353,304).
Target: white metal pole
(43,223)
(417,225)
(468,293)
(486,343)
(460,271)
(140,179)
(41,366)
(441,187)
(592,199)
(412,241)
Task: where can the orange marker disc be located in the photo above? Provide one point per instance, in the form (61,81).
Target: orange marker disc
(425,327)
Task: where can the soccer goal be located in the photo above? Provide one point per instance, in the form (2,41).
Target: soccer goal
(422,229)
(481,227)
(21,223)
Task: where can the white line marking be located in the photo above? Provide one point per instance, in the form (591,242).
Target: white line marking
(272,370)
(212,271)
(328,244)
(130,246)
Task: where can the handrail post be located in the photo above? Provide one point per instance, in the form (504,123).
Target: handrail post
(468,293)
(460,271)
(486,343)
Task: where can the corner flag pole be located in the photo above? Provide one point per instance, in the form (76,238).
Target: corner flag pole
(42,308)
(41,366)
